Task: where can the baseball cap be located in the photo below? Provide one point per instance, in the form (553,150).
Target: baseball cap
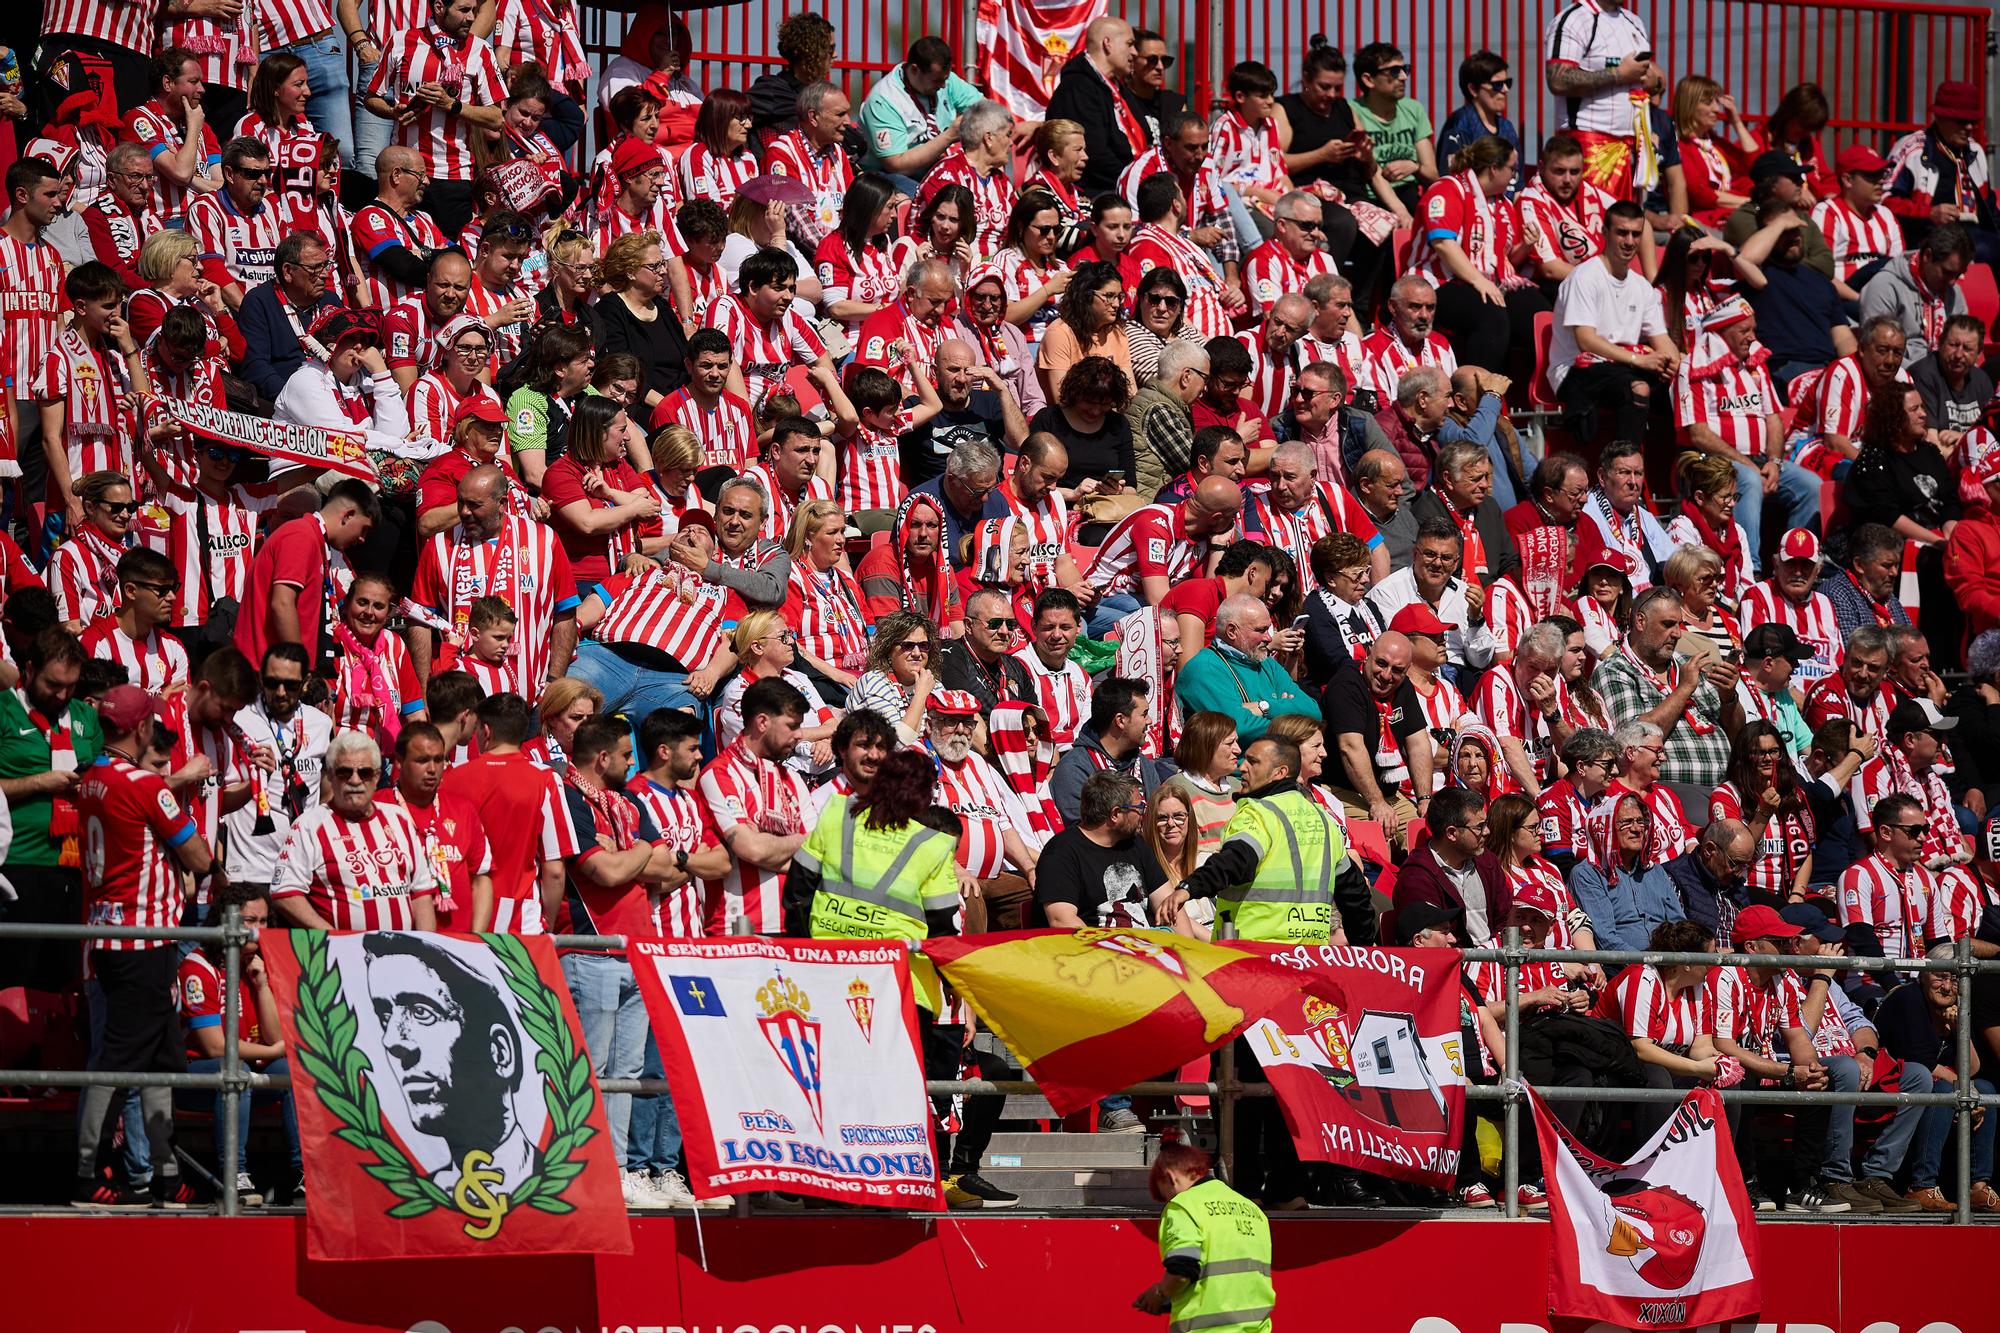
(698,518)
(1860,157)
(1916,715)
(1536,898)
(1418,917)
(1800,544)
(339,324)
(1758,922)
(1774,640)
(1811,921)
(1416,618)
(1771,165)
(954,703)
(478,407)
(634,157)
(123,707)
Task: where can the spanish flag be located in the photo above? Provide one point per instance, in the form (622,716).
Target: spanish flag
(1092,1011)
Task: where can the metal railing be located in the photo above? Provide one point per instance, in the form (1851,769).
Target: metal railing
(1224,1091)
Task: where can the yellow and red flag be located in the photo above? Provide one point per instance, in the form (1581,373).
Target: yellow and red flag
(1092,1011)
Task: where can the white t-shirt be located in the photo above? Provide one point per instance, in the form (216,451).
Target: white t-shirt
(303,742)
(1594,37)
(1625,312)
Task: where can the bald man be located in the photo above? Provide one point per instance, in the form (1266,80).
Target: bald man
(1276,354)
(1087,93)
(1376,775)
(393,240)
(978,405)
(1154,547)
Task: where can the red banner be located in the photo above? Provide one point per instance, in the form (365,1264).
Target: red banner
(1368,1066)
(445,1099)
(342,451)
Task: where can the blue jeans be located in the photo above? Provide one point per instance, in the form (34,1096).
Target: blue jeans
(655,1143)
(138,1149)
(196,1099)
(371,132)
(635,691)
(1883,1160)
(1248,234)
(1797,498)
(331,106)
(614,1028)
(1927,1155)
(1104,617)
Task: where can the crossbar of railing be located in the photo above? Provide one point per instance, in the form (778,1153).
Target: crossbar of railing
(1225,1090)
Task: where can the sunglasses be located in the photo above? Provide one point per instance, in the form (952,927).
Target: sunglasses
(1907,830)
(1165,298)
(126,507)
(1157,62)
(785,636)
(914,645)
(1306,224)
(157,589)
(1392,71)
(346,773)
(999,622)
(1499,85)
(275,684)
(220,455)
(252,173)
(1045,228)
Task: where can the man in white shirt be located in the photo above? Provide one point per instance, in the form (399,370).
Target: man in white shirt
(1432,578)
(1611,351)
(1599,64)
(297,736)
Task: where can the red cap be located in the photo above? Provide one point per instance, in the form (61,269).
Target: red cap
(697,518)
(1536,897)
(954,703)
(1416,618)
(1755,922)
(1860,157)
(123,707)
(1800,544)
(1957,100)
(479,407)
(634,157)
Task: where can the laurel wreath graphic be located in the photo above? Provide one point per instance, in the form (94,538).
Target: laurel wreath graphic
(327,1051)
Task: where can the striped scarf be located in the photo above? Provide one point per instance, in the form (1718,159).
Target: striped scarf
(1025,766)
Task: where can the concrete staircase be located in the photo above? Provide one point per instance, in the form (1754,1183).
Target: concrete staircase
(1070,1171)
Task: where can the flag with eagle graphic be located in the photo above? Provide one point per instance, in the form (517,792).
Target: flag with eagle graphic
(795,1066)
(1666,1239)
(445,1098)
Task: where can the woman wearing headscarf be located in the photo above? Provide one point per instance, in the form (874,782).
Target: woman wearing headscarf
(1624,889)
(996,556)
(909,572)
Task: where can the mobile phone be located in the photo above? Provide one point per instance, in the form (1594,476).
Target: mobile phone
(1644,55)
(1299,621)
(1357,137)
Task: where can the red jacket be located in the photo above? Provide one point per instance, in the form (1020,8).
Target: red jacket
(1423,880)
(1972,570)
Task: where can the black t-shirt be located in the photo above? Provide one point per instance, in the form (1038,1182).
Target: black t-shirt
(1347,706)
(926,448)
(1310,130)
(1903,1022)
(1949,408)
(1886,485)
(1108,886)
(1099,453)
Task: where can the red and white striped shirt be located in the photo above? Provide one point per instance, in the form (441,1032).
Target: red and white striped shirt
(410,334)
(727,432)
(1202,193)
(245,245)
(685,826)
(704,175)
(156,129)
(545,34)
(126,23)
(1485,230)
(1893,903)
(667,608)
(368,714)
(294,155)
(824,610)
(1786,843)
(1442,708)
(230,546)
(986,807)
(84,576)
(1150,542)
(501,677)
(1153,246)
(229,763)
(1063,694)
(614,222)
(154,665)
(1640,1002)
(1889,774)
(826,173)
(225,48)
(93,384)
(282,23)
(127,821)
(1857,241)
(890,340)
(1498,704)
(377,228)
(1247,156)
(1734,398)
(1332,509)
(1270,383)
(1345,352)
(993,196)
(764,352)
(523,563)
(1569,233)
(359,874)
(482,301)
(871,470)
(468,70)
(432,400)
(740,788)
(31,302)
(1828,698)
(1047,522)
(778,516)
(1814,622)
(1020,280)
(1385,357)
(1270,272)
(868,275)
(1958,904)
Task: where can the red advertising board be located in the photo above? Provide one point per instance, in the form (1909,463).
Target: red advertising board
(852,1273)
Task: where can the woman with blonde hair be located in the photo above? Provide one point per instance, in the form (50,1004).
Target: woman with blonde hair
(169,263)
(677,456)
(1717,169)
(756,223)
(570,297)
(1696,573)
(1708,485)
(636,318)
(567,703)
(765,647)
(823,602)
(1056,161)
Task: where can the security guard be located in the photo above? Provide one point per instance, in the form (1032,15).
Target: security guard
(1273,875)
(1216,1247)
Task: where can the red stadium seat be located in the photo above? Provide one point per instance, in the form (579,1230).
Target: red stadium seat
(1400,245)
(1982,301)
(1539,391)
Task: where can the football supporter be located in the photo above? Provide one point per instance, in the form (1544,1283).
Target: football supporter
(1469,246)
(1159,545)
(187,156)
(296,734)
(374,687)
(1908,764)
(759,807)
(521,808)
(1690,698)
(823,601)
(868,451)
(1765,794)
(979,160)
(488,655)
(141,842)
(1275,353)
(813,154)
(1113,739)
(1566,804)
(1160,242)
(1522,704)
(910,116)
(393,239)
(665,789)
(720,419)
(319,884)
(1858,228)
(86,387)
(301,572)
(910,571)
(1789,597)
(635,319)
(443,399)
(1431,580)
(212,534)
(861,741)
(123,215)
(50,737)
(135,635)
(656,636)
(440,82)
(1610,350)
(274,316)
(974,404)
(1830,409)
(1567,214)
(720,159)
(84,573)
(1668,1012)
(1454,871)
(600,507)
(1404,340)
(997,845)
(31,298)
(1917,1022)
(1461,493)
(767,336)
(412,330)
(1380,731)
(238,227)
(1296,253)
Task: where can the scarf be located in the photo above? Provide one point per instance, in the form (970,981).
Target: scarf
(1942,841)
(1025,767)
(992,542)
(1545,557)
(1142,657)
(62,811)
(927,588)
(1725,544)
(364,680)
(1933,313)
(1602,819)
(619,819)
(1666,682)
(1121,111)
(1468,530)
(1499,779)
(1482,251)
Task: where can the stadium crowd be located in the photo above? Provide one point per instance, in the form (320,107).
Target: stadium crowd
(1133,466)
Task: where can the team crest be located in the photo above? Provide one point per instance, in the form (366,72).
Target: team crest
(861,1003)
(793,1033)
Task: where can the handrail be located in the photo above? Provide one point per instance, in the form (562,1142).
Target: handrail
(1225,1090)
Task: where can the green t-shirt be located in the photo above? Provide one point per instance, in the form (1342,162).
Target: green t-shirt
(1395,138)
(527,419)
(24,752)
(892,122)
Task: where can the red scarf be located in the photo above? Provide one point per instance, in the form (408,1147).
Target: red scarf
(1545,560)
(1474,563)
(1135,132)
(62,811)
(1724,544)
(1666,682)
(619,819)
(1933,306)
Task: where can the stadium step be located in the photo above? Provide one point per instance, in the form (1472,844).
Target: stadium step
(1014,1152)
(1053,1188)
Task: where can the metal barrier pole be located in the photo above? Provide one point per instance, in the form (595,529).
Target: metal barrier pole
(968,37)
(232,1128)
(1961,1068)
(1510,1072)
(1226,1089)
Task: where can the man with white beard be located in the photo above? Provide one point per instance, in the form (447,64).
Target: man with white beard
(996,847)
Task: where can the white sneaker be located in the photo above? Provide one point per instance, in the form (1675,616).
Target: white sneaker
(672,1190)
(638,1191)
(247,1193)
